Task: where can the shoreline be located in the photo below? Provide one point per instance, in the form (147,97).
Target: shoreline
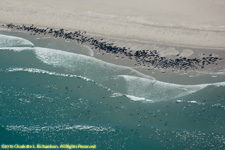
(132,58)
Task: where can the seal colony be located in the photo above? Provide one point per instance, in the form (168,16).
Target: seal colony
(148,58)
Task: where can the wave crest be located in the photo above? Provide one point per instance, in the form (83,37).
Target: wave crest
(38,129)
(12,41)
(157,90)
(34,70)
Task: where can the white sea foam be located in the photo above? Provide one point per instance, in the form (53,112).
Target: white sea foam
(135,98)
(139,87)
(74,62)
(40,71)
(16,49)
(218,84)
(179,101)
(37,129)
(157,90)
(12,41)
(34,70)
(90,66)
(116,95)
(192,102)
(131,97)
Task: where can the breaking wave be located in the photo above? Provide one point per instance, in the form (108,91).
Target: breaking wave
(38,129)
(12,41)
(157,90)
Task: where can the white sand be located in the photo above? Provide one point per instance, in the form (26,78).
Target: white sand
(198,23)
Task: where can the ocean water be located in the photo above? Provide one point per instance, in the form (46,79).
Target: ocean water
(56,92)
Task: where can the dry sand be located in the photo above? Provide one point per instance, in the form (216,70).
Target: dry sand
(185,27)
(182,22)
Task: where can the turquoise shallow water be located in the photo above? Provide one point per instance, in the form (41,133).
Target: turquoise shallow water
(49,95)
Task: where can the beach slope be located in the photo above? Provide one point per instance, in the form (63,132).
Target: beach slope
(180,22)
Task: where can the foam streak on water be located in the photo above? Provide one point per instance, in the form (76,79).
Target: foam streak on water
(34,70)
(16,49)
(40,71)
(37,129)
(76,62)
(158,90)
(12,41)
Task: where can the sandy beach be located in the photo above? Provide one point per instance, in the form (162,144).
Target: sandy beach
(184,22)
(187,28)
